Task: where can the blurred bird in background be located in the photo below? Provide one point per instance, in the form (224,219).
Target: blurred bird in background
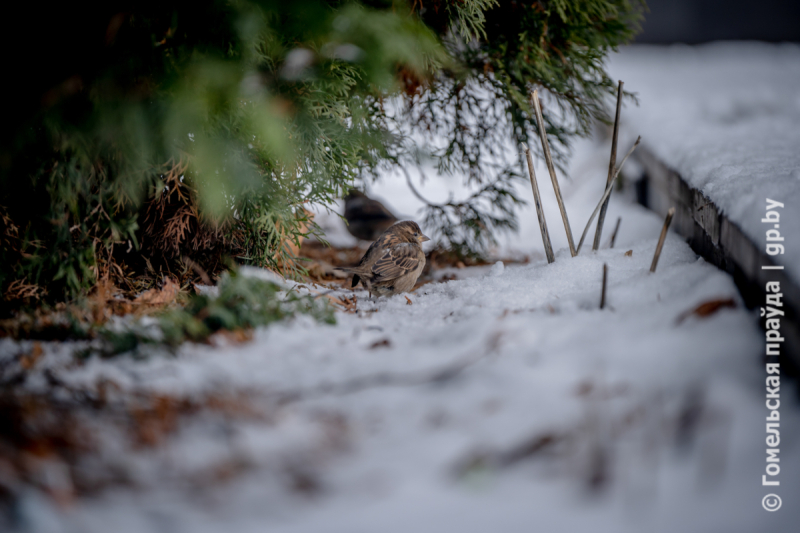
(366,218)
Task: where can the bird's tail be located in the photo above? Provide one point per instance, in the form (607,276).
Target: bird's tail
(355,271)
(349,270)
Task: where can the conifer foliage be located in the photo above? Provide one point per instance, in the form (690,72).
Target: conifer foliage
(176,136)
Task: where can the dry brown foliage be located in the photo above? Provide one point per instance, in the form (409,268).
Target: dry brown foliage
(20,289)
(9,232)
(173,227)
(11,250)
(159,297)
(178,240)
(38,441)
(103,302)
(44,442)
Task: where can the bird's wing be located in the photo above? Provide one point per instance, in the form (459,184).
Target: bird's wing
(396,261)
(378,249)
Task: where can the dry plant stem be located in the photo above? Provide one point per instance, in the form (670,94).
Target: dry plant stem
(662,238)
(549,159)
(607,193)
(612,162)
(603,292)
(614,234)
(548,247)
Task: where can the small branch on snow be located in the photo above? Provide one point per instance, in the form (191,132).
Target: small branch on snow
(603,292)
(662,238)
(537,200)
(612,162)
(505,457)
(614,234)
(549,159)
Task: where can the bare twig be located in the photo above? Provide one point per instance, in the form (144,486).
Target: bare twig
(614,234)
(548,248)
(603,292)
(503,458)
(607,193)
(549,159)
(612,162)
(662,238)
(414,190)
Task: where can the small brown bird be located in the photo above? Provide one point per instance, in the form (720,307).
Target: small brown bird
(392,263)
(366,218)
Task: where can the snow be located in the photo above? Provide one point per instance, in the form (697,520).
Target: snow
(417,417)
(528,354)
(725,116)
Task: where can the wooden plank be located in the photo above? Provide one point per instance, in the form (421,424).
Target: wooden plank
(721,242)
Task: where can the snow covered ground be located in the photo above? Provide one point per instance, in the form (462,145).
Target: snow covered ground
(503,401)
(725,116)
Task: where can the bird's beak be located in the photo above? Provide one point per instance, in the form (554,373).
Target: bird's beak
(423,238)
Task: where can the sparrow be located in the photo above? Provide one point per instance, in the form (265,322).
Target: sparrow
(393,262)
(366,218)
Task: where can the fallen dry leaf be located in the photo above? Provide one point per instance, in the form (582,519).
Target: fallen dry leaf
(383,343)
(706,308)
(225,337)
(164,295)
(629,253)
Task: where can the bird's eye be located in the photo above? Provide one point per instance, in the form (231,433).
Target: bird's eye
(416,234)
